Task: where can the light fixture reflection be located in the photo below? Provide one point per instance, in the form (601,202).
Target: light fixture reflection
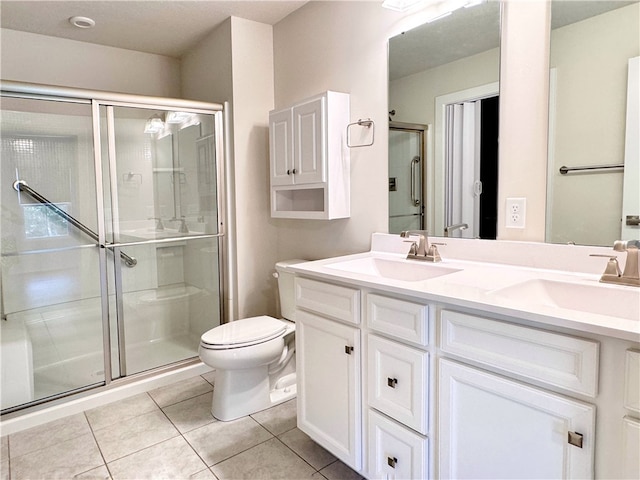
(155,124)
(183,119)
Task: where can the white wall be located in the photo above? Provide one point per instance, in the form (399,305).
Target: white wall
(252,71)
(339,46)
(29,57)
(235,63)
(524,87)
(205,72)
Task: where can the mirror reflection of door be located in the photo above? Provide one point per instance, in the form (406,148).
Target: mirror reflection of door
(406,176)
(471,168)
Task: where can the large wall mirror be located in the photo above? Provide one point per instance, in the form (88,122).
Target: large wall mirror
(443,78)
(592,43)
(443,84)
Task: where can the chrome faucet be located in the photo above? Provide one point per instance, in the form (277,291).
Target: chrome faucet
(630,275)
(450,228)
(183,226)
(159,225)
(421,250)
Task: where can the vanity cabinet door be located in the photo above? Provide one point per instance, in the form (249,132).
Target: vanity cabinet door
(328,380)
(492,427)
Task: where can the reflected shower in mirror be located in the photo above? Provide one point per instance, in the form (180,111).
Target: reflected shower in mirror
(443,78)
(590,125)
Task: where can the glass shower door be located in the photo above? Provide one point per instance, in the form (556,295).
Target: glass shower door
(161,209)
(51,330)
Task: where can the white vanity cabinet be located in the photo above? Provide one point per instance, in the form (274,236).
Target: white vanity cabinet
(400,386)
(328,367)
(496,427)
(309,160)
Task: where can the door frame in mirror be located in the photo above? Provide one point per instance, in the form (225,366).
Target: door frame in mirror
(437,189)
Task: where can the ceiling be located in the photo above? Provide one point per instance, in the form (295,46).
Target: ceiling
(163,27)
(469,31)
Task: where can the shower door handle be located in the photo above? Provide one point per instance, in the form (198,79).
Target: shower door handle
(415,165)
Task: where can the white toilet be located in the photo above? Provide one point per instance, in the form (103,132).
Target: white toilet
(254,358)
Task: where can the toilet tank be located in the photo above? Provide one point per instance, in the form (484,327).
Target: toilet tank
(286,288)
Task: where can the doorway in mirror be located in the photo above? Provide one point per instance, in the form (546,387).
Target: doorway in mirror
(470,150)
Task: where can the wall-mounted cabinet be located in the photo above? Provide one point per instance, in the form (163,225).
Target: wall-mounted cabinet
(309,158)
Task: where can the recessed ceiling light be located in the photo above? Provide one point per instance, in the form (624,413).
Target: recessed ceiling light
(82,22)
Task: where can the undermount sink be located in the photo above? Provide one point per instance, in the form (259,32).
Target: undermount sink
(393,269)
(621,302)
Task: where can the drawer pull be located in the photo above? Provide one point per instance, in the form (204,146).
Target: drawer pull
(392,382)
(575,439)
(392,461)
(348,349)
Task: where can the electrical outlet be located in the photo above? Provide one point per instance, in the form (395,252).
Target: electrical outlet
(516,212)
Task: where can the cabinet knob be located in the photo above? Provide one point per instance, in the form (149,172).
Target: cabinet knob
(392,461)
(392,382)
(348,349)
(290,172)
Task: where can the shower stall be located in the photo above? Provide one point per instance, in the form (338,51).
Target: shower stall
(110,235)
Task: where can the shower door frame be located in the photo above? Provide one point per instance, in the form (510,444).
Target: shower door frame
(109,100)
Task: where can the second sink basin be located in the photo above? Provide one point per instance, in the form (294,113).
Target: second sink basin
(393,269)
(614,301)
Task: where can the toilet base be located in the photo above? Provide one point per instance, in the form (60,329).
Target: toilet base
(238,393)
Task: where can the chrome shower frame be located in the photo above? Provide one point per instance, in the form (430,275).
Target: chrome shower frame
(109,100)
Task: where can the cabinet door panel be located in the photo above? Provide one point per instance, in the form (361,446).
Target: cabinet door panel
(491,427)
(310,143)
(281,147)
(329,400)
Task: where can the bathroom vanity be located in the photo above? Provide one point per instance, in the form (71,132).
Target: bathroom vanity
(520,365)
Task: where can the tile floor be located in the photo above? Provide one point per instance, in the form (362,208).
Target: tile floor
(169,433)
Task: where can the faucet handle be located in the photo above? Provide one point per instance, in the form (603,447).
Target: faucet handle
(432,254)
(413,249)
(613,267)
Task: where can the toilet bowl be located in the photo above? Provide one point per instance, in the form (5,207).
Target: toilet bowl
(254,358)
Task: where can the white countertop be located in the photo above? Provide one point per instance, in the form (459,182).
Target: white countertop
(478,284)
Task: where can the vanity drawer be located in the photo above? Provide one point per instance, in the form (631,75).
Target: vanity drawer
(398,318)
(632,381)
(334,301)
(398,381)
(395,451)
(559,360)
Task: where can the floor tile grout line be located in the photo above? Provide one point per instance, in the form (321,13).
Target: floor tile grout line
(104,460)
(178,434)
(8,458)
(297,454)
(239,453)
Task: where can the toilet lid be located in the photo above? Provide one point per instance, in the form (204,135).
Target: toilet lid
(247,331)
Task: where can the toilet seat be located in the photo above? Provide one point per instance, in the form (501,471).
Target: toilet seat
(243,333)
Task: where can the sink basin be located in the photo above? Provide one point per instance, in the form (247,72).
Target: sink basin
(393,269)
(621,302)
